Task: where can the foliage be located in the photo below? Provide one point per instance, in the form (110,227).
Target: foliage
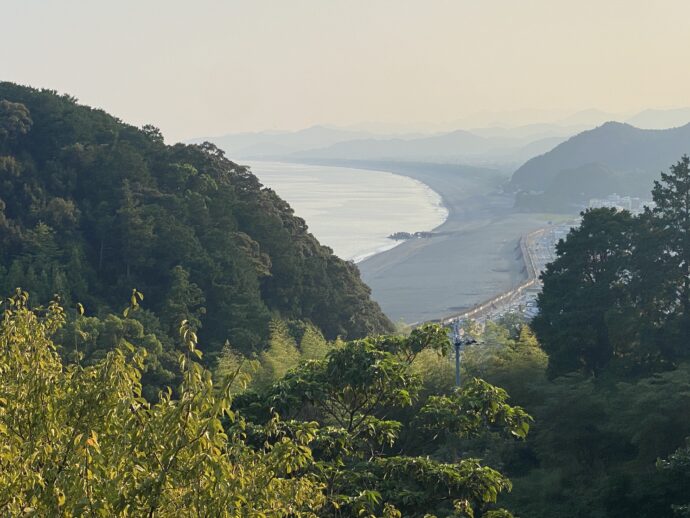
(81,440)
(615,321)
(475,406)
(281,355)
(618,293)
(672,215)
(594,443)
(234,371)
(14,120)
(582,287)
(593,446)
(507,355)
(313,346)
(678,463)
(87,340)
(91,207)
(362,453)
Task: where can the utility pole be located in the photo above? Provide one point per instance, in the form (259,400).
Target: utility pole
(460,344)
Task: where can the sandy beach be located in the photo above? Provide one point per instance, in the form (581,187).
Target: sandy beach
(473,256)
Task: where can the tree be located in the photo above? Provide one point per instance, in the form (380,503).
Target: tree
(593,450)
(583,288)
(184,301)
(280,356)
(619,290)
(366,468)
(82,441)
(513,364)
(313,346)
(15,120)
(672,217)
(679,464)
(138,234)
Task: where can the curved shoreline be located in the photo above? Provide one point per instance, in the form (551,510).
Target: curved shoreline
(397,242)
(472,257)
(354,210)
(430,192)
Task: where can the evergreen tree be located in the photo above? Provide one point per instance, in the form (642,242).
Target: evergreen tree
(671,216)
(583,289)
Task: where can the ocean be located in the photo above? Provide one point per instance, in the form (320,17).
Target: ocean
(353,211)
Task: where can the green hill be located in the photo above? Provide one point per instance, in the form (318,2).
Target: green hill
(91,207)
(612,158)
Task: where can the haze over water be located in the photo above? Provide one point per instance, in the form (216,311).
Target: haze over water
(353,211)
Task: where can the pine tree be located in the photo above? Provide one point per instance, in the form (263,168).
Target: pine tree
(672,216)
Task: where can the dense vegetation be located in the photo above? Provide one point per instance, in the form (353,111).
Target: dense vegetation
(301,407)
(618,294)
(91,208)
(330,438)
(613,404)
(600,447)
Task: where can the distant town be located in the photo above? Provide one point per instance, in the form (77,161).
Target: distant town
(629,203)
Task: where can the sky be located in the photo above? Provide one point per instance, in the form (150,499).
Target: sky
(209,67)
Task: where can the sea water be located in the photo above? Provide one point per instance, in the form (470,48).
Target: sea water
(353,211)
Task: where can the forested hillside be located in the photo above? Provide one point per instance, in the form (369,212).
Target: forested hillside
(91,208)
(612,158)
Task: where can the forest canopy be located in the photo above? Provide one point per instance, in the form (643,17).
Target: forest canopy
(329,438)
(91,208)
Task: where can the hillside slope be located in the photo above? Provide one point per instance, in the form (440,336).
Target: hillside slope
(635,155)
(91,208)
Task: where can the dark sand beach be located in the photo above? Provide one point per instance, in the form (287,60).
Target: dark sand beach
(474,256)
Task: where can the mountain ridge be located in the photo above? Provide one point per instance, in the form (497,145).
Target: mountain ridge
(91,207)
(634,156)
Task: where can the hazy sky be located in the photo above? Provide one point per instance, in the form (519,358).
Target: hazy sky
(204,67)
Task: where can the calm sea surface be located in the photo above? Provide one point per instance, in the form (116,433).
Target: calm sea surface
(353,210)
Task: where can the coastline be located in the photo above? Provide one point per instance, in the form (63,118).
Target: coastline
(473,255)
(354,210)
(430,193)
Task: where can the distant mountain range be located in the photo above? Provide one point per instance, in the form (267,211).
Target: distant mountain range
(456,147)
(660,119)
(281,143)
(614,157)
(494,145)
